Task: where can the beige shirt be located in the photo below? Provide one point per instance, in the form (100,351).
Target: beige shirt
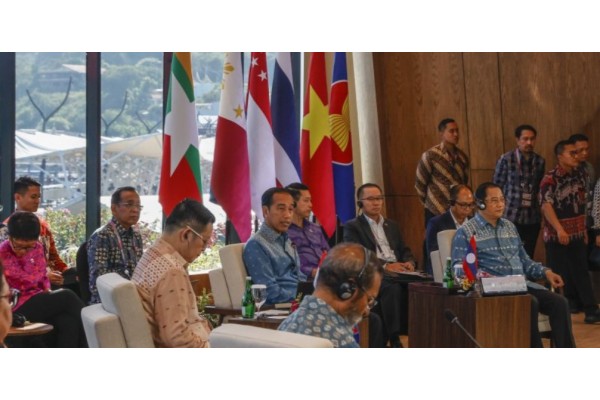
(168,298)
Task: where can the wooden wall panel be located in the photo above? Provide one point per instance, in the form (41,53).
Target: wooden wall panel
(483,110)
(557,93)
(489,95)
(419,90)
(478,176)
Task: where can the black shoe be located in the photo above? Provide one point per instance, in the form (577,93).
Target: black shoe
(592,318)
(395,342)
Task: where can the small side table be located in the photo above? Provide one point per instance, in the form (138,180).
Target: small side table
(30,335)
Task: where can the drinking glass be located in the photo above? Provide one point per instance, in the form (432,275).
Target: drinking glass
(259,292)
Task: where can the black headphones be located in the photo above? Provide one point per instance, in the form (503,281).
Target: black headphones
(480,204)
(347,289)
(481,191)
(359,203)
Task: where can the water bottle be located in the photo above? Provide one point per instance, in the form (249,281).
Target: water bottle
(448,280)
(248,300)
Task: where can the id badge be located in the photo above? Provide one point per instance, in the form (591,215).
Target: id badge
(526,200)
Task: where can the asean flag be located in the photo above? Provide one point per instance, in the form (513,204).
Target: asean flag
(470,262)
(341,141)
(315,153)
(180,171)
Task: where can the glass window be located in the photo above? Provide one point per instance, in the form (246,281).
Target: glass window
(50,140)
(131,129)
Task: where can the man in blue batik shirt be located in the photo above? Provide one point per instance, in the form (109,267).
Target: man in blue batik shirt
(269,255)
(348,283)
(500,252)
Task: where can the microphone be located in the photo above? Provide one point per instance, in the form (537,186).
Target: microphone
(453,319)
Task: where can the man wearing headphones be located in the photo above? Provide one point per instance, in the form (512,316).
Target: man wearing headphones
(347,285)
(382,236)
(500,252)
(461,208)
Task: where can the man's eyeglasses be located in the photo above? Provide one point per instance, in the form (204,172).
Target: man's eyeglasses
(465,205)
(373,198)
(207,242)
(130,205)
(371,301)
(12,297)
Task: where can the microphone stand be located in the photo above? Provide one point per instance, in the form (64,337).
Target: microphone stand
(453,319)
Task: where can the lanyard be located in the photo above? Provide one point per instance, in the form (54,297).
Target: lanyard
(120,244)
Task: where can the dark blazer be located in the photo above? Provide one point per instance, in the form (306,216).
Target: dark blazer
(358,230)
(437,224)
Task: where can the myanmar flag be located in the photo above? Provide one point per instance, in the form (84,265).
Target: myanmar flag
(180,172)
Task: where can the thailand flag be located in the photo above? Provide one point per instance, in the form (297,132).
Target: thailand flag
(470,261)
(285,126)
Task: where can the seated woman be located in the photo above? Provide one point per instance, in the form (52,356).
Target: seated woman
(25,269)
(5,305)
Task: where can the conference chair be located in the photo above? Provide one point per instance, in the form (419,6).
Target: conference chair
(119,321)
(228,282)
(444,239)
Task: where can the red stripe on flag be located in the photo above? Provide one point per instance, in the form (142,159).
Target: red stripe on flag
(173,188)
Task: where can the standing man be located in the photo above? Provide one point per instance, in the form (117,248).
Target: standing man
(347,287)
(382,236)
(519,173)
(461,208)
(116,246)
(269,255)
(500,252)
(27,198)
(563,195)
(441,167)
(162,279)
(582,146)
(307,236)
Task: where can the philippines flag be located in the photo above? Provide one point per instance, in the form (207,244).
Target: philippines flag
(470,261)
(341,141)
(285,128)
(230,181)
(260,133)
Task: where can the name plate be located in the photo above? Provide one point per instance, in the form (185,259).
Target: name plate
(503,285)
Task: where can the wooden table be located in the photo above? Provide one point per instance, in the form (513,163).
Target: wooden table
(31,329)
(498,321)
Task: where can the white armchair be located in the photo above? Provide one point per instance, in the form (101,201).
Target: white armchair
(119,321)
(243,336)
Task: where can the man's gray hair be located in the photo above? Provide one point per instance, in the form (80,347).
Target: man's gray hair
(343,264)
